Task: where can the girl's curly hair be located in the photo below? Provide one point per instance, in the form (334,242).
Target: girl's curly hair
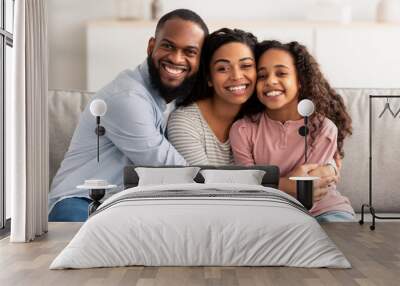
(212,43)
(313,86)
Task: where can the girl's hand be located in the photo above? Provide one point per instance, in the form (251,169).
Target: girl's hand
(303,170)
(289,186)
(338,160)
(324,171)
(321,186)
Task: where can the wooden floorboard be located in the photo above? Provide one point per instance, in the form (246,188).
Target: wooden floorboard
(374,255)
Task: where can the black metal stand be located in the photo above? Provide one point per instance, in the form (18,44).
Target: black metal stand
(369,205)
(304,193)
(100,131)
(96,195)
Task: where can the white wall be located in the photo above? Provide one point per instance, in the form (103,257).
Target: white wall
(67,18)
(266,9)
(67,48)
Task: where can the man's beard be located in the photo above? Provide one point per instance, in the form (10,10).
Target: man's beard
(166,92)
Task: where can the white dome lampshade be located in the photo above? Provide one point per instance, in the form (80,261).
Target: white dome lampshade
(305,107)
(98,107)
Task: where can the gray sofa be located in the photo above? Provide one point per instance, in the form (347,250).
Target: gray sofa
(65,107)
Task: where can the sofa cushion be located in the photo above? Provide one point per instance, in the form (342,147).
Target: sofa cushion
(65,107)
(64,110)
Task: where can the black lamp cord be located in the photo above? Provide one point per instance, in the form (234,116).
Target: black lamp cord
(98,137)
(305,138)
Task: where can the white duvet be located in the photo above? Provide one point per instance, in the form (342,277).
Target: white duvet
(238,228)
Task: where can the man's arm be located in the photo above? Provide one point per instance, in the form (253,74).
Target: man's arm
(130,124)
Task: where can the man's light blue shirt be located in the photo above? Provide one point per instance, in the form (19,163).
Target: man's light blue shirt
(135,134)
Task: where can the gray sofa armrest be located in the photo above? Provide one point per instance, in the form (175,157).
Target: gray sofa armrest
(64,110)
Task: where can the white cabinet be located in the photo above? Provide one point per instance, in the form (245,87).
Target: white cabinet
(113,47)
(273,30)
(354,55)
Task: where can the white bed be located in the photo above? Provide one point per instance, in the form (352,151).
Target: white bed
(201,224)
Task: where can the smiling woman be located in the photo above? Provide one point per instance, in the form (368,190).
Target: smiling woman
(199,129)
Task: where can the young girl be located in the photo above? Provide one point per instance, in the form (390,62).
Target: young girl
(268,134)
(199,129)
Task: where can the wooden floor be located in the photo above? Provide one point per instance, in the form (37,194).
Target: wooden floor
(374,255)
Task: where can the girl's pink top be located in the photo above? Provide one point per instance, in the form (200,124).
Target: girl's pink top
(269,142)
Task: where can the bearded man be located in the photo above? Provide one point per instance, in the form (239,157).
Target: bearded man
(138,102)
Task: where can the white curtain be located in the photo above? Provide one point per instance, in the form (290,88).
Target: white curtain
(26,123)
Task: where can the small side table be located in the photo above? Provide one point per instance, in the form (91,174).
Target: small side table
(96,193)
(304,190)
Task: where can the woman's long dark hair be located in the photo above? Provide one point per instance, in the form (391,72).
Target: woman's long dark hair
(212,43)
(313,86)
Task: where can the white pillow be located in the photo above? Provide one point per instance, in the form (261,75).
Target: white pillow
(163,176)
(249,177)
